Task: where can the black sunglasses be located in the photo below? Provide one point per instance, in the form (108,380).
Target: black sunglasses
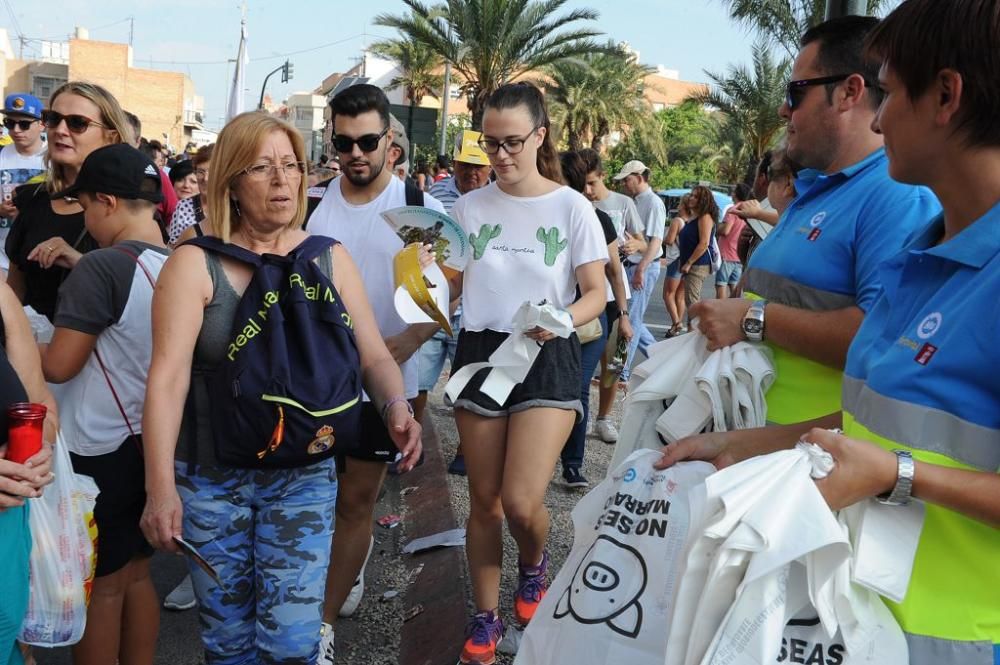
(23,125)
(795,91)
(75,123)
(367,143)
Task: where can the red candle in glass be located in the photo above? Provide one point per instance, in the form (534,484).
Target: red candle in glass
(24,430)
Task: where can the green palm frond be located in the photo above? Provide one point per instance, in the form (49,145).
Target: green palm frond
(491,42)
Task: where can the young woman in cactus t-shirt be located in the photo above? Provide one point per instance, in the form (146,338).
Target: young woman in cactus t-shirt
(532,239)
(524,248)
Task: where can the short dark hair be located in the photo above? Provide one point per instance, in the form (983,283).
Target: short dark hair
(358,99)
(592,159)
(136,124)
(151,149)
(180,171)
(443,162)
(574,170)
(842,51)
(645,175)
(922,37)
(203,155)
(742,192)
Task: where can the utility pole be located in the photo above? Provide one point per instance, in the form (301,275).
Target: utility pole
(131,29)
(442,148)
(838,8)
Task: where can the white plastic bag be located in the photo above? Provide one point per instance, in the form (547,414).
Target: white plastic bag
(611,601)
(63,559)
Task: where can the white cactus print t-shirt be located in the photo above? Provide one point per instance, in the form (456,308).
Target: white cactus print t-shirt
(523,249)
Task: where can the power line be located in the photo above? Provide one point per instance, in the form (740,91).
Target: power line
(261,59)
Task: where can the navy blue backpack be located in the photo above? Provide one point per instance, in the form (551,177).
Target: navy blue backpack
(288,391)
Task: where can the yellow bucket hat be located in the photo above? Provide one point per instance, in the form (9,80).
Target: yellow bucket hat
(467,149)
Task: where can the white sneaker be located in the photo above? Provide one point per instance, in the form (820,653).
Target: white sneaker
(606,430)
(325,645)
(350,605)
(182,597)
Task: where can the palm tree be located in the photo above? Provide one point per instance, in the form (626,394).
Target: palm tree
(492,42)
(749,100)
(591,96)
(784,21)
(418,67)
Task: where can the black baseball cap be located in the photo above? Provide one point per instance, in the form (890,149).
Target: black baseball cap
(120,170)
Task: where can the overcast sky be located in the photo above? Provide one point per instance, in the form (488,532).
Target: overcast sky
(198,37)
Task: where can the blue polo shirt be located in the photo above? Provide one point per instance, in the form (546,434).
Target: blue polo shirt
(824,255)
(922,375)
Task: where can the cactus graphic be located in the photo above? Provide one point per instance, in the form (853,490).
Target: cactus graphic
(482,239)
(553,245)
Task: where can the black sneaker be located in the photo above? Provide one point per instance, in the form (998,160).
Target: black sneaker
(573,477)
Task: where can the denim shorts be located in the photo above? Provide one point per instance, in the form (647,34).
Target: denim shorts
(729,273)
(553,381)
(432,354)
(674,269)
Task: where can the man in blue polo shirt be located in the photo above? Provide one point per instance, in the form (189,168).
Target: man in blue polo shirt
(810,283)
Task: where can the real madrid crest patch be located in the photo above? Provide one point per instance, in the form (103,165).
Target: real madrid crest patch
(323,441)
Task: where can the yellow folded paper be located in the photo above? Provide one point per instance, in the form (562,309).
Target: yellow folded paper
(409,276)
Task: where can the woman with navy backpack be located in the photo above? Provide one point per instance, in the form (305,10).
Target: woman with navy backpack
(240,432)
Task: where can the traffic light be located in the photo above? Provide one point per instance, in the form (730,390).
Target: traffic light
(286,71)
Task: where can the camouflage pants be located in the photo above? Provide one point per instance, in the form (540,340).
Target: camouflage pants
(267,533)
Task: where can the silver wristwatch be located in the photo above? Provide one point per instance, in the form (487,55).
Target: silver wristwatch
(753,321)
(903,491)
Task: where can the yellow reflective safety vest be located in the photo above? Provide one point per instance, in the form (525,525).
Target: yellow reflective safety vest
(923,375)
(822,256)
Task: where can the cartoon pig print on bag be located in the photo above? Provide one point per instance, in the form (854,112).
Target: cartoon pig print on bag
(553,245)
(606,588)
(482,239)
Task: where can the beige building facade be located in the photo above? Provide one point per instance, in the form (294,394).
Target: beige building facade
(166,102)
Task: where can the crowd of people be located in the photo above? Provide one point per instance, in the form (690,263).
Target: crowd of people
(865,255)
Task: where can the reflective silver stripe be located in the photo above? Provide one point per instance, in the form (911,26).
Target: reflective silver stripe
(922,427)
(785,291)
(935,651)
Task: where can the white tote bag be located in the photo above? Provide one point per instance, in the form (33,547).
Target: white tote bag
(611,601)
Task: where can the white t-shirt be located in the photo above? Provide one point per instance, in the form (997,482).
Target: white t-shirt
(372,244)
(653,213)
(15,169)
(524,249)
(108,295)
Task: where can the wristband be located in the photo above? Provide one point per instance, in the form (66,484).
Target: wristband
(395,400)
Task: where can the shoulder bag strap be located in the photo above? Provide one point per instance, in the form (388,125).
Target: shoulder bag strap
(104,369)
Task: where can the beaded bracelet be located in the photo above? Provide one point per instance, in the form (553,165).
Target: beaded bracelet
(396,400)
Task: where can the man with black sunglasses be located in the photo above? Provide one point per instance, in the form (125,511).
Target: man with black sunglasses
(350,211)
(22,159)
(810,283)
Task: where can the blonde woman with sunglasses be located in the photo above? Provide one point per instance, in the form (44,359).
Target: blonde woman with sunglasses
(48,237)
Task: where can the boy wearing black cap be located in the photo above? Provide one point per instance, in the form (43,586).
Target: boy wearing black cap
(101,351)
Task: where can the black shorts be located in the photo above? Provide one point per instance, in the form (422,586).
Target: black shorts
(121,479)
(553,381)
(611,311)
(375,444)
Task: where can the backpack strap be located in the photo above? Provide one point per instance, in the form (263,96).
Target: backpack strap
(312,247)
(414,195)
(235,252)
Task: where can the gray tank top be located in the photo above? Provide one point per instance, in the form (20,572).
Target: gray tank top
(209,351)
